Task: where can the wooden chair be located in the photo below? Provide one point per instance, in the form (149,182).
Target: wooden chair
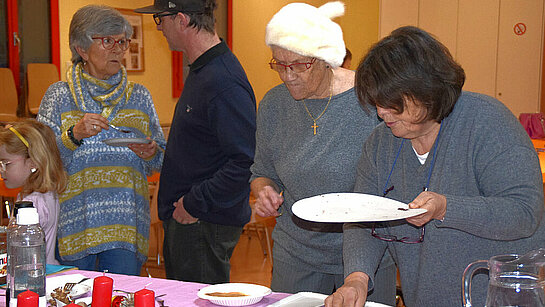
(39,76)
(155,258)
(262,228)
(8,96)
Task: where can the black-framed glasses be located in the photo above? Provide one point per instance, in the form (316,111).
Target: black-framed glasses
(295,67)
(157,17)
(110,42)
(392,238)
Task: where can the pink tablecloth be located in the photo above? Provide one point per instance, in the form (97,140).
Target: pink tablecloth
(178,293)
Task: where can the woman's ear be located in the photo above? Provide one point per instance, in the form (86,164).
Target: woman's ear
(82,53)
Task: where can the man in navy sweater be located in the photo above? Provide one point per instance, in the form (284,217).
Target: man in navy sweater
(204,189)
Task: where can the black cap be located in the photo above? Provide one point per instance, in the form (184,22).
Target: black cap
(185,6)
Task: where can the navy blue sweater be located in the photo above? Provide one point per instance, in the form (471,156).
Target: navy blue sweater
(211,142)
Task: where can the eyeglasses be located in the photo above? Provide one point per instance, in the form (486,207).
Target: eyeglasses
(392,238)
(157,17)
(4,164)
(109,42)
(295,67)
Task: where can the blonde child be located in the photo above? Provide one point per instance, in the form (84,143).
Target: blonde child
(29,159)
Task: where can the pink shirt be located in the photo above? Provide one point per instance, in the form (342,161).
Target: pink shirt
(48,211)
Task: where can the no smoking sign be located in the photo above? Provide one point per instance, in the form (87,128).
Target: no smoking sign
(519,28)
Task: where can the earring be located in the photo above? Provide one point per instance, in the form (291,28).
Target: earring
(33,170)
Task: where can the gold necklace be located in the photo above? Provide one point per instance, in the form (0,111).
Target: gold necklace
(314,126)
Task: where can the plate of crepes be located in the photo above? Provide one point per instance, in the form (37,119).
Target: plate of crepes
(234,294)
(126,141)
(57,296)
(352,207)
(310,299)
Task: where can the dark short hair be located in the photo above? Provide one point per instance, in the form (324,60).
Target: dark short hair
(410,64)
(205,20)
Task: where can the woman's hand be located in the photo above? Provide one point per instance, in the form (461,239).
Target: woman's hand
(90,124)
(144,151)
(352,294)
(435,203)
(268,201)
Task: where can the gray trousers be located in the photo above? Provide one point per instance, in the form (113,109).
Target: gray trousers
(290,278)
(199,252)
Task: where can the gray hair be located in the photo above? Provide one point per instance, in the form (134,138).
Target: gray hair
(95,20)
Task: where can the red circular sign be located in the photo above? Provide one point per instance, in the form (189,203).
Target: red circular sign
(519,28)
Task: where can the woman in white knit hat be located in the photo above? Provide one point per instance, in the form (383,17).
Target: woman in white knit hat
(310,130)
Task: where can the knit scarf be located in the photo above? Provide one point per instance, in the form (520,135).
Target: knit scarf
(93,95)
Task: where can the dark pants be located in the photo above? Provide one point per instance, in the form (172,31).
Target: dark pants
(199,252)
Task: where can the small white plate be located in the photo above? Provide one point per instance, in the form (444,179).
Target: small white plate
(79,290)
(310,299)
(352,207)
(254,293)
(126,141)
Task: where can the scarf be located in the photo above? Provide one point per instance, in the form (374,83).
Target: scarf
(92,95)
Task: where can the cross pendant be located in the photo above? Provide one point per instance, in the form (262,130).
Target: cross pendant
(314,126)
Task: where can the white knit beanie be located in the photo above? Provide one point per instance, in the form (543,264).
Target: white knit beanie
(309,31)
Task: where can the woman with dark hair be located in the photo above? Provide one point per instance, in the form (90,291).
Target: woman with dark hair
(104,212)
(461,156)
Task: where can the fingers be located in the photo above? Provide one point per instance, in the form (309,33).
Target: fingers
(268,201)
(434,203)
(144,151)
(89,125)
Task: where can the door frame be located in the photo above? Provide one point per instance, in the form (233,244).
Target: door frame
(13,28)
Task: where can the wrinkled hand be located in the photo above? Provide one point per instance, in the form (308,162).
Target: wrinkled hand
(268,201)
(89,125)
(352,294)
(435,203)
(144,151)
(181,215)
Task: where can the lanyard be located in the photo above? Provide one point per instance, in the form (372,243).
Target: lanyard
(432,164)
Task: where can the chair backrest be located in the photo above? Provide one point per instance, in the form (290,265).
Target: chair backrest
(8,96)
(39,77)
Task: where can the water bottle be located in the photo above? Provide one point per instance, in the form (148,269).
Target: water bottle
(4,255)
(26,257)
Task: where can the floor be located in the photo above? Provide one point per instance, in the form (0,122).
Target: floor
(248,263)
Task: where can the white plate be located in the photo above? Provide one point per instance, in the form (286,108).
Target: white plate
(126,141)
(254,294)
(310,299)
(352,207)
(79,290)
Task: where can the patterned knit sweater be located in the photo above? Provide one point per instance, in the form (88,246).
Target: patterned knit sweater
(106,203)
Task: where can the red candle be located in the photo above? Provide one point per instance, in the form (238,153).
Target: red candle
(102,291)
(144,298)
(27,299)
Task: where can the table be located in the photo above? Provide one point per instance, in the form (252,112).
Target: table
(178,293)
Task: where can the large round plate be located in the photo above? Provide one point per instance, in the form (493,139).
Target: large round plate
(310,299)
(352,207)
(126,141)
(254,294)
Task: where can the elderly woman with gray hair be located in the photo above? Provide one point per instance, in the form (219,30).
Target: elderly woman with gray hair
(310,130)
(104,216)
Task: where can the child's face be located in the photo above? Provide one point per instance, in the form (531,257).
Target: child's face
(17,168)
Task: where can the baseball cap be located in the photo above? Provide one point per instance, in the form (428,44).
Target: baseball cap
(186,6)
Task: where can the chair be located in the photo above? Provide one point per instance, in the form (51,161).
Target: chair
(8,96)
(39,76)
(262,228)
(156,231)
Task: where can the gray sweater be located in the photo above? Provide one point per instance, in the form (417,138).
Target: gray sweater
(304,165)
(489,172)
